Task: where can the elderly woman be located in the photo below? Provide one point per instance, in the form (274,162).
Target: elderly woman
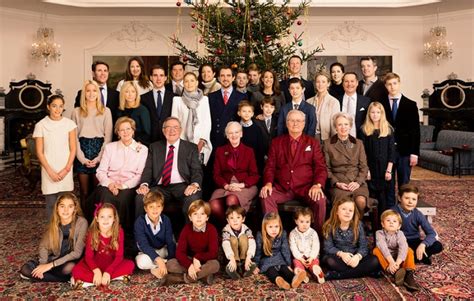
(235,173)
(326,106)
(120,170)
(346,162)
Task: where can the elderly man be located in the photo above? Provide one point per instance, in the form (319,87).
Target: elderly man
(295,169)
(173,168)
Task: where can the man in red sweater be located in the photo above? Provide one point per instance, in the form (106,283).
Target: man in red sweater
(196,254)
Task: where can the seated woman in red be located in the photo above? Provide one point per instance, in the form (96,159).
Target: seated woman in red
(235,173)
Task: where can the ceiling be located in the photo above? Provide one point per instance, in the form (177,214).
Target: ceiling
(169,8)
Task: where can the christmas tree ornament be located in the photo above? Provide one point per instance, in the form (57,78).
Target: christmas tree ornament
(299,22)
(185,58)
(267,38)
(193,25)
(178,3)
(234,66)
(219,51)
(300,43)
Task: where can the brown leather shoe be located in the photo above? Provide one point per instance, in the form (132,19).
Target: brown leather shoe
(400,277)
(298,278)
(281,283)
(410,282)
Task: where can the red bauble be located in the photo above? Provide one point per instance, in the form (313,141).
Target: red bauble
(193,25)
(178,3)
(185,58)
(267,39)
(299,22)
(218,51)
(201,40)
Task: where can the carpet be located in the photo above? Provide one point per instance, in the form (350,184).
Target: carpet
(450,276)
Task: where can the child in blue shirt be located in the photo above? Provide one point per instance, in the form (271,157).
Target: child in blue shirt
(154,237)
(412,219)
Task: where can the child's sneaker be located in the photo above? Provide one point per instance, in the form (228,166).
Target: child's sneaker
(400,277)
(298,278)
(318,273)
(281,283)
(24,277)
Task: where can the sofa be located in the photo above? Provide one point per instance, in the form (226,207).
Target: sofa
(439,156)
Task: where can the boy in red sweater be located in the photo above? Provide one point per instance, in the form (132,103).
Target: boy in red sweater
(196,254)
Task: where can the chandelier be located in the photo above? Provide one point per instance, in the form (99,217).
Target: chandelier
(437,48)
(44,48)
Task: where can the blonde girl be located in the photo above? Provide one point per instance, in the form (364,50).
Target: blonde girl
(273,256)
(94,131)
(55,140)
(62,243)
(103,259)
(379,143)
(345,244)
(130,106)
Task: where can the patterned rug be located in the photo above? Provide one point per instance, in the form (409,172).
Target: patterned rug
(450,276)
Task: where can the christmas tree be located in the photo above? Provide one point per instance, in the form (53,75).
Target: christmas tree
(238,33)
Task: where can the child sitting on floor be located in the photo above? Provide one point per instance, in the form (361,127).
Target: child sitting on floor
(104,260)
(391,243)
(273,254)
(238,244)
(412,219)
(196,254)
(62,244)
(304,244)
(154,237)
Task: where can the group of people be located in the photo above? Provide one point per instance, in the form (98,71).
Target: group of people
(230,140)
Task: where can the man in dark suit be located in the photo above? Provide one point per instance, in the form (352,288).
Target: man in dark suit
(177,75)
(402,113)
(294,68)
(297,103)
(353,103)
(223,105)
(158,101)
(371,86)
(295,169)
(173,168)
(109,96)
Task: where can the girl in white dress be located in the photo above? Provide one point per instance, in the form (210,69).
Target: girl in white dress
(55,139)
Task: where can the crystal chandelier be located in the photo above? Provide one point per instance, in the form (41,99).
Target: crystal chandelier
(437,48)
(44,48)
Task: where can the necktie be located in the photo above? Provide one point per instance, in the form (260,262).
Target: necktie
(102,98)
(179,90)
(350,102)
(293,147)
(394,108)
(296,106)
(158,103)
(268,122)
(226,97)
(166,174)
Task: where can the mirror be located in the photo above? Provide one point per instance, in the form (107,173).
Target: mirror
(31,97)
(453,97)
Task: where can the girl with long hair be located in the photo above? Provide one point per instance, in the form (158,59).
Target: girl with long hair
(103,259)
(273,256)
(345,244)
(94,131)
(379,143)
(136,72)
(62,243)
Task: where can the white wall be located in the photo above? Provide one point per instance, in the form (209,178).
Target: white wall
(83,36)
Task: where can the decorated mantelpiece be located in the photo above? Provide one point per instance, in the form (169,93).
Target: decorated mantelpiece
(451,105)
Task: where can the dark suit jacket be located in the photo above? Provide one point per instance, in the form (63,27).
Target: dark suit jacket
(308,89)
(189,166)
(307,168)
(273,127)
(310,112)
(221,114)
(406,125)
(148,101)
(246,170)
(169,87)
(361,111)
(113,99)
(376,92)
